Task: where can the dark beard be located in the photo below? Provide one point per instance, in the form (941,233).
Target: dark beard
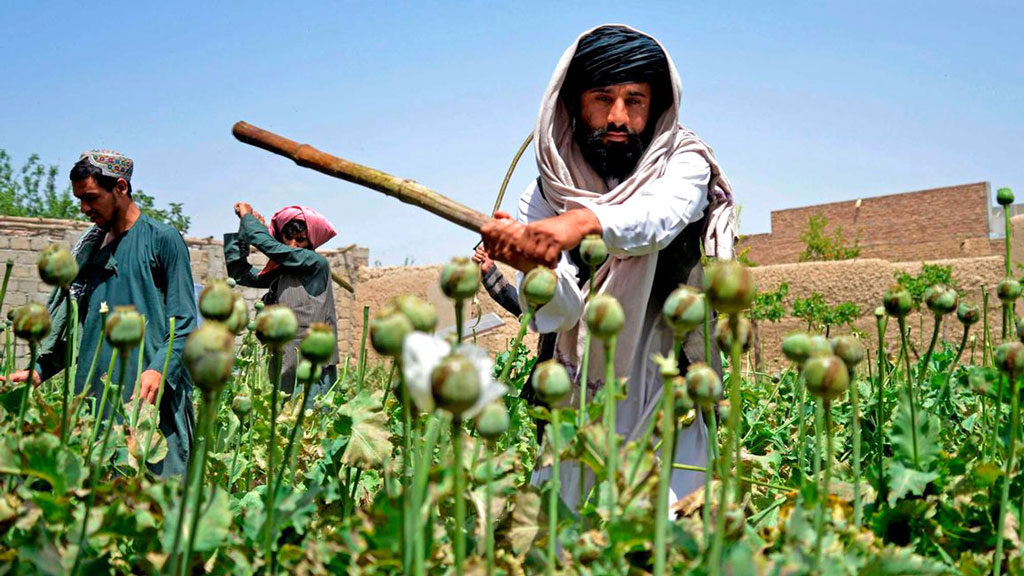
(614,160)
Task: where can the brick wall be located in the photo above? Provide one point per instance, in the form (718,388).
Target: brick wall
(21,239)
(951,222)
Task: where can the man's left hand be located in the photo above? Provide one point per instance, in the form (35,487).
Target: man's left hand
(149,385)
(540,242)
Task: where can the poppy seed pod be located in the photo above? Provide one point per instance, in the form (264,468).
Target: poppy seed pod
(968,314)
(276,326)
(730,286)
(703,385)
(421,314)
(460,279)
(593,250)
(604,316)
(209,355)
(455,384)
(683,310)
(1004,196)
(241,404)
(1008,290)
(797,347)
(306,370)
(388,329)
(492,421)
(319,344)
(820,346)
(940,299)
(31,322)
(216,301)
(239,318)
(849,349)
(57,267)
(724,335)
(539,286)
(258,305)
(897,301)
(125,329)
(231,282)
(1010,358)
(551,381)
(879,312)
(826,376)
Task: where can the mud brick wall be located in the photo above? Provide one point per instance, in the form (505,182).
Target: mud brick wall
(951,222)
(21,239)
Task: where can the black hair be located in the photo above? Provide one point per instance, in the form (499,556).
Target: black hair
(292,229)
(83,170)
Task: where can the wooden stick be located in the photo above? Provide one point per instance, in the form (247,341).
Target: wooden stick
(342,282)
(403,189)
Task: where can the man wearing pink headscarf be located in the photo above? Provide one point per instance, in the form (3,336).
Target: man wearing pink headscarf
(295,274)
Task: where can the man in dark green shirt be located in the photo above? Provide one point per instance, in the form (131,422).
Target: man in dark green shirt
(127,258)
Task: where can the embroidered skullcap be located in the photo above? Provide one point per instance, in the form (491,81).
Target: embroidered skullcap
(613,55)
(110,163)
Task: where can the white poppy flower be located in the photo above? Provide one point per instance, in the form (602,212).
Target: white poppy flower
(421,353)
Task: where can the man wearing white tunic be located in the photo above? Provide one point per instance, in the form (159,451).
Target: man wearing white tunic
(614,161)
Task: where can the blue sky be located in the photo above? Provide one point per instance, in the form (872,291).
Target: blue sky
(803,102)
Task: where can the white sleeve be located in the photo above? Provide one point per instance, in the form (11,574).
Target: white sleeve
(566,308)
(650,220)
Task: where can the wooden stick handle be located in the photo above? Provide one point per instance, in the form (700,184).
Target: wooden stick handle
(403,189)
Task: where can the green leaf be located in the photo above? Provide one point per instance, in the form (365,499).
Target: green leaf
(370,444)
(902,438)
(42,457)
(215,522)
(896,561)
(904,480)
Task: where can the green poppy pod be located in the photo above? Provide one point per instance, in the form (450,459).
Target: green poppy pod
(258,305)
(388,329)
(879,312)
(216,301)
(849,349)
(539,286)
(797,347)
(276,326)
(241,404)
(703,385)
(1004,196)
(1010,357)
(593,250)
(460,279)
(455,384)
(239,318)
(820,346)
(57,267)
(897,302)
(730,286)
(551,382)
(306,370)
(1008,290)
(125,329)
(31,322)
(724,334)
(604,316)
(231,282)
(826,376)
(209,355)
(420,313)
(684,310)
(319,344)
(968,314)
(940,299)
(492,421)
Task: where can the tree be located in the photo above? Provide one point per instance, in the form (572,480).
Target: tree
(819,314)
(32,192)
(770,307)
(819,246)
